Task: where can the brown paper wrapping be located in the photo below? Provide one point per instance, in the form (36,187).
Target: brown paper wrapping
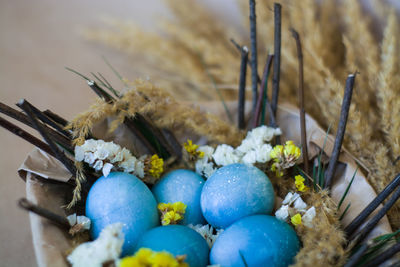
(51,243)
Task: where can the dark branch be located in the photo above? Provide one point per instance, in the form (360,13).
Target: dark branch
(344,114)
(277,56)
(303,130)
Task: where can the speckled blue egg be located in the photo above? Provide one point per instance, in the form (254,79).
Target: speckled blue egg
(122,197)
(236,191)
(259,240)
(177,240)
(184,186)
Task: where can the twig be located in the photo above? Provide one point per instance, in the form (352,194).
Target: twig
(263,90)
(242,87)
(303,130)
(248,62)
(384,256)
(253,44)
(59,154)
(21,117)
(41,116)
(374,220)
(356,223)
(344,113)
(277,56)
(355,258)
(100,92)
(55,117)
(25,135)
(55,218)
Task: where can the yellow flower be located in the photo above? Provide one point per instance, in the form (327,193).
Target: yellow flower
(296,219)
(291,150)
(284,157)
(192,149)
(277,152)
(299,182)
(162,259)
(156,166)
(147,258)
(171,213)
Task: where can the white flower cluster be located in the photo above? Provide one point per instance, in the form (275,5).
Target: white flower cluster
(253,149)
(206,231)
(293,204)
(106,248)
(104,156)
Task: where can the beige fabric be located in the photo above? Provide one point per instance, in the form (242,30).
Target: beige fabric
(51,243)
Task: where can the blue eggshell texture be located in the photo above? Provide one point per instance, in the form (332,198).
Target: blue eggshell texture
(236,191)
(184,186)
(177,240)
(122,197)
(262,240)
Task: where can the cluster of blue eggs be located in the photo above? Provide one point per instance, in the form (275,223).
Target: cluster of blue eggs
(236,198)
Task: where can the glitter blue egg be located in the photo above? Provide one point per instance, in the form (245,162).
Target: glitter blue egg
(184,186)
(236,191)
(258,240)
(122,197)
(177,240)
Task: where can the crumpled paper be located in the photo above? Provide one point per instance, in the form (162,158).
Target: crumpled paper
(44,173)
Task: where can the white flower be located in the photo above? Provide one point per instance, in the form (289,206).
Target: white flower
(207,150)
(84,221)
(79,153)
(89,158)
(207,232)
(98,165)
(72,219)
(101,153)
(263,153)
(204,168)
(263,134)
(139,168)
(107,168)
(300,205)
(225,155)
(290,198)
(250,157)
(106,248)
(282,213)
(128,165)
(246,146)
(308,217)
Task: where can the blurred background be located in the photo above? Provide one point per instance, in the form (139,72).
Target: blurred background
(38,39)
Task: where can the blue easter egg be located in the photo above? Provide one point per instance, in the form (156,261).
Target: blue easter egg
(258,240)
(177,240)
(184,186)
(122,197)
(236,191)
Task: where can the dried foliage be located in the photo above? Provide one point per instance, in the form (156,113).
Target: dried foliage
(162,109)
(338,39)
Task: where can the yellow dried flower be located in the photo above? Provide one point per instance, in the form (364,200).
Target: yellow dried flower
(147,258)
(192,149)
(284,157)
(171,213)
(299,182)
(156,166)
(296,219)
(291,150)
